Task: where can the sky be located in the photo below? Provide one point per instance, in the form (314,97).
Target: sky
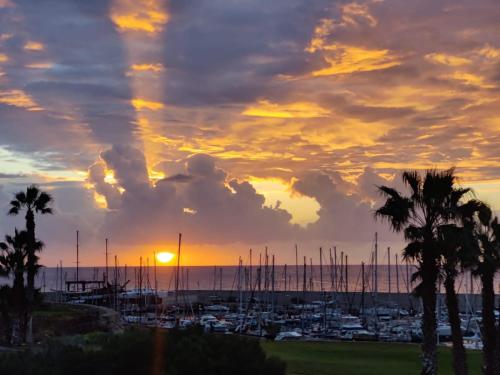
(241,124)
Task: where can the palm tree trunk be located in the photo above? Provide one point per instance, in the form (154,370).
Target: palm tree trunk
(459,356)
(429,324)
(488,322)
(31,271)
(497,351)
(7,324)
(30,249)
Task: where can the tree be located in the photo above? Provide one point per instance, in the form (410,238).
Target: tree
(419,216)
(33,201)
(483,232)
(455,255)
(13,263)
(452,249)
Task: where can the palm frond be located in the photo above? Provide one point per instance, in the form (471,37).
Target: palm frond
(485,214)
(414,233)
(414,181)
(42,201)
(388,192)
(21,197)
(396,209)
(32,194)
(437,187)
(413,250)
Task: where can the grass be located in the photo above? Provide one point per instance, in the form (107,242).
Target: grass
(357,358)
(59,311)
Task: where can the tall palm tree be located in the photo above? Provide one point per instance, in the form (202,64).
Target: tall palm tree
(484,232)
(33,201)
(456,253)
(419,216)
(452,250)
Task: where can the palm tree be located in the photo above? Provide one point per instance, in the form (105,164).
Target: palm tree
(33,201)
(5,298)
(13,263)
(456,253)
(452,250)
(419,215)
(484,232)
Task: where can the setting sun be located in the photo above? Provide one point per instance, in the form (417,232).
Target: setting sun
(164,257)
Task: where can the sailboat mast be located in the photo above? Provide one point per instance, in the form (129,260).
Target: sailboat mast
(341,269)
(107,274)
(77,257)
(125,278)
(389,269)
(321,268)
(304,286)
(286,279)
(331,269)
(362,290)
(250,269)
(115,281)
(335,281)
(346,277)
(240,289)
(397,273)
(311,276)
(155,275)
(407,277)
(178,268)
(296,268)
(220,279)
(272,285)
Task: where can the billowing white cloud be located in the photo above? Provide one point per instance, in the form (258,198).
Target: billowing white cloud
(202,201)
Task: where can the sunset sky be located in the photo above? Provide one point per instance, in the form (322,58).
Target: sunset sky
(240,123)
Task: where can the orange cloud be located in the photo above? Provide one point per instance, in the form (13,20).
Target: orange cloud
(34,46)
(470,79)
(345,59)
(140,104)
(147,67)
(292,110)
(302,208)
(353,13)
(489,52)
(144,16)
(41,65)
(18,98)
(445,59)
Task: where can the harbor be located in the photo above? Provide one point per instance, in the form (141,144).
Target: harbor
(327,301)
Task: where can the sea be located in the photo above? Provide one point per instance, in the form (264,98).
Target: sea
(393,279)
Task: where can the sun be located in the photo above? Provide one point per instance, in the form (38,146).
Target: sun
(164,257)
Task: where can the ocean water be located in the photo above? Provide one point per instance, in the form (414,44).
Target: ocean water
(389,279)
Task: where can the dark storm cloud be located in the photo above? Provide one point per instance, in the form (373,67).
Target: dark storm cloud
(11,175)
(84,77)
(235,48)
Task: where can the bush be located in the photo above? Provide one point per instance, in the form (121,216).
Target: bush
(189,352)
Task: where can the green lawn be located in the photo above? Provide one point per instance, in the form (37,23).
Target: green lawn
(355,358)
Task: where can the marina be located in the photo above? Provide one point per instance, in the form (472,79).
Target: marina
(327,301)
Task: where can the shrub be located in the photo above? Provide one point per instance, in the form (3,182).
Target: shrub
(189,352)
